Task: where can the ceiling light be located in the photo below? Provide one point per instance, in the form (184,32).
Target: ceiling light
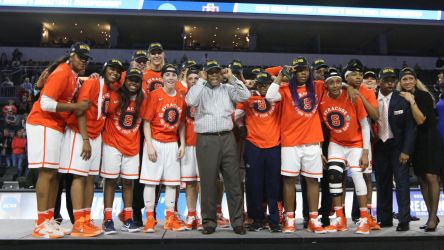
(75,24)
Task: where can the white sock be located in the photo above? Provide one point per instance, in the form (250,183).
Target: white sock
(149,196)
(170,197)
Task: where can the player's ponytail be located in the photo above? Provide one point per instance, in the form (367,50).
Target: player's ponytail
(57,62)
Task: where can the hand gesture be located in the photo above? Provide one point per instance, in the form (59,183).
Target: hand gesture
(408,97)
(86,150)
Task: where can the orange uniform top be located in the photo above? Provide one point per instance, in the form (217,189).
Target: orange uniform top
(342,119)
(262,121)
(151,80)
(61,86)
(300,124)
(90,91)
(369,95)
(181,88)
(122,130)
(165,113)
(274,71)
(189,133)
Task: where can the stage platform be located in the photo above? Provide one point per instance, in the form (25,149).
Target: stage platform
(16,234)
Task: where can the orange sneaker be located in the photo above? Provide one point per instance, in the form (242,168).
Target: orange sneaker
(191,223)
(45,230)
(281,212)
(315,226)
(338,224)
(222,222)
(289,225)
(372,223)
(181,222)
(171,223)
(91,224)
(150,224)
(81,229)
(363,226)
(122,216)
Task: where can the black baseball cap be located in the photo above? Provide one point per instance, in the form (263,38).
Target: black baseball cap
(256,71)
(169,68)
(407,71)
(331,73)
(319,63)
(386,73)
(300,62)
(81,49)
(263,78)
(155,46)
(114,63)
(138,54)
(354,65)
(211,64)
(369,73)
(236,66)
(189,64)
(134,72)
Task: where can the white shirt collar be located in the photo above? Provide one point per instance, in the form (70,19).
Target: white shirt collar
(381,97)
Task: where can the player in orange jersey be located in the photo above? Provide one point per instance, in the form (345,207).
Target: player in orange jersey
(354,78)
(161,154)
(189,172)
(46,124)
(301,135)
(151,76)
(121,136)
(262,154)
(82,146)
(349,144)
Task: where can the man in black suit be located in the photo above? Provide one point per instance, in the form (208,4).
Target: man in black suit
(396,133)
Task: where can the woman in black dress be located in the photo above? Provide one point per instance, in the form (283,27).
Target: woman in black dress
(427,158)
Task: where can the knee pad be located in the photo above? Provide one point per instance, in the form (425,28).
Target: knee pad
(335,177)
(360,186)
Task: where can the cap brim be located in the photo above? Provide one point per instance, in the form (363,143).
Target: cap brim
(213,67)
(155,49)
(321,66)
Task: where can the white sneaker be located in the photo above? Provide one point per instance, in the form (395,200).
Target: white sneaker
(46,230)
(56,226)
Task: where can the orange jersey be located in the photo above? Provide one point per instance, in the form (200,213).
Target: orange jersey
(274,71)
(262,121)
(61,86)
(369,95)
(300,124)
(165,113)
(122,130)
(189,133)
(151,80)
(181,88)
(90,90)
(342,119)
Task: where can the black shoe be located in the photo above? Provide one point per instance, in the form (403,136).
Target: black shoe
(239,230)
(305,222)
(413,218)
(325,221)
(208,230)
(275,228)
(432,229)
(402,227)
(425,225)
(137,218)
(255,227)
(386,224)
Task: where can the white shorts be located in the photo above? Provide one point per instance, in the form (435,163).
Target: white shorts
(369,169)
(166,169)
(115,164)
(44,146)
(304,159)
(351,156)
(70,160)
(188,165)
